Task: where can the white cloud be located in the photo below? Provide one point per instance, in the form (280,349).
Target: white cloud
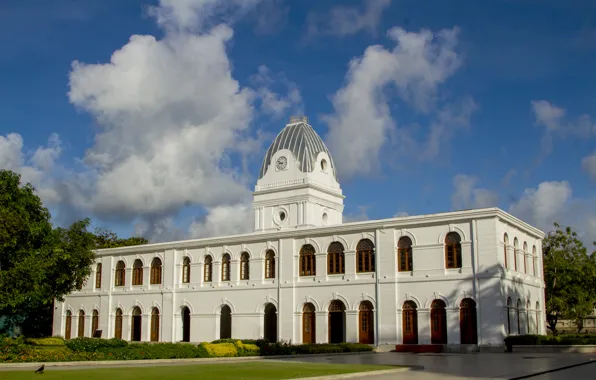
(553,119)
(589,165)
(347,20)
(272,102)
(466,195)
(360,216)
(401,214)
(416,66)
(36,167)
(224,220)
(554,202)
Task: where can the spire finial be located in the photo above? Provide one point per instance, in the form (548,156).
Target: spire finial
(298,119)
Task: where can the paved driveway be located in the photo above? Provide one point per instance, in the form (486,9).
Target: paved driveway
(470,366)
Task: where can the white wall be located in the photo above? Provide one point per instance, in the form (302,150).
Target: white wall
(481,278)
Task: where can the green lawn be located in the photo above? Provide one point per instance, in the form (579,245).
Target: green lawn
(237,371)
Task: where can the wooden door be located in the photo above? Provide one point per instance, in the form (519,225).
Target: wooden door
(225,323)
(308,324)
(81,324)
(467,322)
(155,325)
(186,325)
(410,323)
(68,326)
(118,323)
(438,323)
(366,323)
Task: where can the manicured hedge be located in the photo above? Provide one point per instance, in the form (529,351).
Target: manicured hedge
(535,340)
(85,349)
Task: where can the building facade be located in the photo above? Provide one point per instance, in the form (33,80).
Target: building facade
(466,277)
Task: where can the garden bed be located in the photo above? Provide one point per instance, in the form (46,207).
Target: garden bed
(96,349)
(550,343)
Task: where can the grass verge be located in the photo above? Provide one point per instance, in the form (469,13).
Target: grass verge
(238,371)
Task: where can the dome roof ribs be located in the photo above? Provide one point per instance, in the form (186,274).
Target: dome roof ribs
(304,143)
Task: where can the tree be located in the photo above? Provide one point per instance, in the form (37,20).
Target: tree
(106,238)
(37,262)
(570,277)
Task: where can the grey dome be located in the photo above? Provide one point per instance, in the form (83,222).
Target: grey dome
(302,140)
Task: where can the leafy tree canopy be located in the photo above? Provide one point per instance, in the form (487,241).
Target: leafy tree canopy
(570,277)
(39,263)
(106,238)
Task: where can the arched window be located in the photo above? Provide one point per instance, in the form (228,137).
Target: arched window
(505,247)
(538,320)
(453,250)
(410,323)
(81,324)
(98,276)
(525,253)
(68,327)
(404,254)
(118,323)
(308,324)
(308,265)
(155,271)
(225,268)
(528,325)
(438,322)
(270,264)
(517,311)
(335,258)
(467,322)
(186,270)
(534,261)
(509,309)
(515,253)
(120,273)
(365,256)
(94,322)
(137,272)
(208,269)
(244,266)
(155,324)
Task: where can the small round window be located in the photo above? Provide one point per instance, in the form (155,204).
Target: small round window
(282,216)
(325,217)
(323,164)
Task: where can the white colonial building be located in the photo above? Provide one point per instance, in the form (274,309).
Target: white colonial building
(465,277)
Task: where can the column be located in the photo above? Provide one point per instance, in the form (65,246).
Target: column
(423,326)
(321,260)
(350,257)
(453,329)
(351,326)
(322,334)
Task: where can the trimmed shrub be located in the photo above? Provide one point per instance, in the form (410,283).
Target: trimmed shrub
(220,349)
(245,349)
(52,341)
(567,339)
(94,344)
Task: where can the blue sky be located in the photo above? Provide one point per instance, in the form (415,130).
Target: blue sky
(153,118)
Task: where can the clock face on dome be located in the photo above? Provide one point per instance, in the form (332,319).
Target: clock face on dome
(281,163)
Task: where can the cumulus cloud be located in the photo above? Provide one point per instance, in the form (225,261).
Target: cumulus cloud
(554,202)
(343,21)
(589,165)
(275,103)
(415,67)
(34,167)
(467,195)
(555,124)
(224,220)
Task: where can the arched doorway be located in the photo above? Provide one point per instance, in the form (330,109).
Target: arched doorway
(366,323)
(438,322)
(68,326)
(410,323)
(225,323)
(185,324)
(155,325)
(270,322)
(308,324)
(81,324)
(94,322)
(118,323)
(337,325)
(135,332)
(467,322)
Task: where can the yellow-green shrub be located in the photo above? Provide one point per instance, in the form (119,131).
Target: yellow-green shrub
(246,349)
(53,341)
(220,349)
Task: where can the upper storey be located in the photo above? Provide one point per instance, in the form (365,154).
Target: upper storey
(304,143)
